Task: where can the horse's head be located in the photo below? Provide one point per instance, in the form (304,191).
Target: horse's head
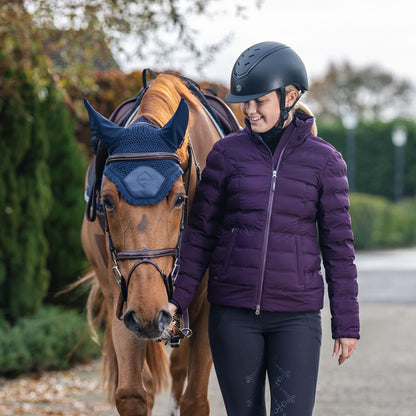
(143,196)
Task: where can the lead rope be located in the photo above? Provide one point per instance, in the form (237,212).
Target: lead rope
(174,334)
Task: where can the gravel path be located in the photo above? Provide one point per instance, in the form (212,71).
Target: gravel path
(379,380)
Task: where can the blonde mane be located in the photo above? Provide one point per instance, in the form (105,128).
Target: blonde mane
(161,101)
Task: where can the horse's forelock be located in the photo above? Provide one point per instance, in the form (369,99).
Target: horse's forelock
(161,101)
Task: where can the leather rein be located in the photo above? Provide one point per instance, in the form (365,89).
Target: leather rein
(145,255)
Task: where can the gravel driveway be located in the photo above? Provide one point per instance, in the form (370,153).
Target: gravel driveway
(378,380)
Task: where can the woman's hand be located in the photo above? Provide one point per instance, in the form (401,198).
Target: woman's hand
(345,347)
(172,309)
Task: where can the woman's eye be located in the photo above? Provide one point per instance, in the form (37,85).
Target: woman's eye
(108,202)
(180,200)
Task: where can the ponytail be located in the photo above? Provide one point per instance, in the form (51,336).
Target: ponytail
(303,108)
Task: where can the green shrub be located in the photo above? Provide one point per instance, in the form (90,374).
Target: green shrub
(379,223)
(52,340)
(405,221)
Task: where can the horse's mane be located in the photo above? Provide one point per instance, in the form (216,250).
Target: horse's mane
(161,101)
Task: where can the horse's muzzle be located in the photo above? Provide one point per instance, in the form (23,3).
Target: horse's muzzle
(148,330)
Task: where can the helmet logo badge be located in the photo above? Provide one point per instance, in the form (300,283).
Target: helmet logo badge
(238,88)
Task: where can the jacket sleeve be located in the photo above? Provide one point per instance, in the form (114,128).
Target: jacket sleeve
(336,242)
(201,234)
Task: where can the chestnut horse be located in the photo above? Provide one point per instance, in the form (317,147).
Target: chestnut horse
(134,254)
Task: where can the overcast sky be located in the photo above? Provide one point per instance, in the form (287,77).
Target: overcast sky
(362,32)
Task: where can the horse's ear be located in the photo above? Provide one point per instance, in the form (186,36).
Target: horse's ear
(105,130)
(175,129)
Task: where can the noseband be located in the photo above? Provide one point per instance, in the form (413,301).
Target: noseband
(145,255)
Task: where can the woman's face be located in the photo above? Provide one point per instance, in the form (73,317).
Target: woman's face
(263,112)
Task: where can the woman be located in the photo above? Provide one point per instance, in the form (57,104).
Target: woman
(272,196)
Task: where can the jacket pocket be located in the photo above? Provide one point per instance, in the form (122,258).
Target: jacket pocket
(300,261)
(228,253)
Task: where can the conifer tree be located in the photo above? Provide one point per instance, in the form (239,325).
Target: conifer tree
(67,164)
(25,197)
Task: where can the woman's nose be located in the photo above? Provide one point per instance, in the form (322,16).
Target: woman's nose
(250,107)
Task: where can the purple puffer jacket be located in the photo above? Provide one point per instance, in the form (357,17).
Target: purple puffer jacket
(254,223)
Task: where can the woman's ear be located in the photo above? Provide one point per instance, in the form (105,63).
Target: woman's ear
(291,98)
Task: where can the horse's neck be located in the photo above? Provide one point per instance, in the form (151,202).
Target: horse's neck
(203,135)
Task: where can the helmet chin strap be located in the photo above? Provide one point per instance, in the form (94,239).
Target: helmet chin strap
(284,111)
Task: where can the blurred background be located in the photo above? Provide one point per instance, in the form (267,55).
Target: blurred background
(359,55)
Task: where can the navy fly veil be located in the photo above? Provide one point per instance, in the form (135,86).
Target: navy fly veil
(142,182)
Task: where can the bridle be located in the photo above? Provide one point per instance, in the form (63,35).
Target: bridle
(145,255)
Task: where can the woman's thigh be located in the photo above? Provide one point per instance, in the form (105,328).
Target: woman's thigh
(293,349)
(238,350)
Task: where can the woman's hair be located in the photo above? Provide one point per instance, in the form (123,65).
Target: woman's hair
(303,108)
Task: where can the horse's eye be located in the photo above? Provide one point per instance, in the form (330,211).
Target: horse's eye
(108,202)
(180,200)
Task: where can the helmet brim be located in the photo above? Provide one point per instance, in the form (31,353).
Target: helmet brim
(232,98)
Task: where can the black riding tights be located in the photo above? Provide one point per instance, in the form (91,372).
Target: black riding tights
(285,346)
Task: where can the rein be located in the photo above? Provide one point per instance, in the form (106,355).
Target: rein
(145,255)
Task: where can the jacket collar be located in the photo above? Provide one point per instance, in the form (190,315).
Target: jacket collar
(296,132)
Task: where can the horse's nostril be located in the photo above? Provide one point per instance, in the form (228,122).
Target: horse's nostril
(130,320)
(151,329)
(165,318)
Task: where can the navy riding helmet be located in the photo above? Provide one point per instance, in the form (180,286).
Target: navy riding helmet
(263,68)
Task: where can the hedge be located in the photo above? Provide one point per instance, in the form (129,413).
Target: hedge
(380,223)
(375,156)
(53,339)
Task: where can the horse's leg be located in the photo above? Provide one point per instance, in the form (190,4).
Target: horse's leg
(130,395)
(179,359)
(195,398)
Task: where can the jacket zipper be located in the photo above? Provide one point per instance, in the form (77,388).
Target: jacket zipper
(267,230)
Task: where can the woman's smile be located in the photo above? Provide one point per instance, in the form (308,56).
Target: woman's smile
(263,112)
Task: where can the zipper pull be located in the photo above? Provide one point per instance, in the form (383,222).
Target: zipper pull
(257,310)
(274,176)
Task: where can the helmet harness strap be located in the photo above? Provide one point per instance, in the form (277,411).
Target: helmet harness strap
(284,111)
